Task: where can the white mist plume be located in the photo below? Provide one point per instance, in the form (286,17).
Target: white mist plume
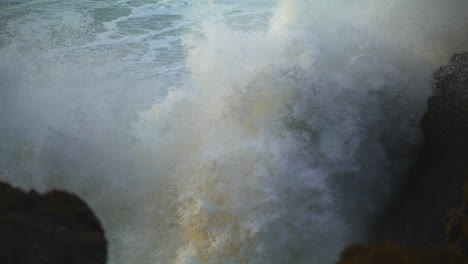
(281,146)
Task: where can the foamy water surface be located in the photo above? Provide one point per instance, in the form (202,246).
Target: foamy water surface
(221,132)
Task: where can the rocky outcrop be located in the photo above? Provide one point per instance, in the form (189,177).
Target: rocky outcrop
(445,124)
(387,252)
(457,227)
(417,218)
(53,228)
(434,185)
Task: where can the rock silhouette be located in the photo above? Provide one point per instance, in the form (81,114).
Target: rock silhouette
(53,228)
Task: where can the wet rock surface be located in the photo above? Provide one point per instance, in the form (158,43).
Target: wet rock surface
(457,226)
(387,252)
(434,185)
(56,227)
(428,222)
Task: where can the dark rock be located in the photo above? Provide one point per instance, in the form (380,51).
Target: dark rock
(387,252)
(457,226)
(445,123)
(434,184)
(456,251)
(53,228)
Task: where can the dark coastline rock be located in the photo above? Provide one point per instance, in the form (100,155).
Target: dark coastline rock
(383,252)
(387,252)
(457,226)
(415,221)
(445,124)
(53,228)
(434,185)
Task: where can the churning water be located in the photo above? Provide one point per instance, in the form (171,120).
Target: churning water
(221,132)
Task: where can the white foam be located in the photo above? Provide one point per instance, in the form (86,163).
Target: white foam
(278,145)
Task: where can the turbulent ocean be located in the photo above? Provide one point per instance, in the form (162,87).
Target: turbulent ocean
(222,131)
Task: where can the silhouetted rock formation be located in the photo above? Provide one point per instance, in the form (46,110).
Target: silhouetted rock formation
(54,228)
(387,252)
(457,226)
(435,183)
(445,124)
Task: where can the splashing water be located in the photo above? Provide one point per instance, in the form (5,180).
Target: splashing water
(221,132)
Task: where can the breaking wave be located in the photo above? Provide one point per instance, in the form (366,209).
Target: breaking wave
(218,132)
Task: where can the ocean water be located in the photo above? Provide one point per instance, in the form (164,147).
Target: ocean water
(222,131)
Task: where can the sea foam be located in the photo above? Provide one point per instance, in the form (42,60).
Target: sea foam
(279,144)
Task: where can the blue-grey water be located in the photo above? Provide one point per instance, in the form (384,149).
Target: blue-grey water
(222,131)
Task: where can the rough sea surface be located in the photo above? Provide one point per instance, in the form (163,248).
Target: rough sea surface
(221,132)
